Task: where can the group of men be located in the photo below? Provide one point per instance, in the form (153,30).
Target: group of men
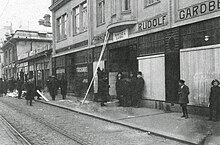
(31,88)
(129,90)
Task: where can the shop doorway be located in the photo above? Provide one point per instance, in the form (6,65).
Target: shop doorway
(172,71)
(123,60)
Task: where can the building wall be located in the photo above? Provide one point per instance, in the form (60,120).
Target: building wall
(158,24)
(71,38)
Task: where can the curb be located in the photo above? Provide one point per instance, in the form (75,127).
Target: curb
(151,131)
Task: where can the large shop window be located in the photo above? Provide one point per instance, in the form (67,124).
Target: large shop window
(201,33)
(151,44)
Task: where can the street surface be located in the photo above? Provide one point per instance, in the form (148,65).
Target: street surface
(30,121)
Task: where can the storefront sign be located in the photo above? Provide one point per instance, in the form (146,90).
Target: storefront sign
(82,69)
(160,20)
(120,35)
(199,9)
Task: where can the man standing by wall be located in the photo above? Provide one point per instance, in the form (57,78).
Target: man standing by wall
(139,87)
(183,97)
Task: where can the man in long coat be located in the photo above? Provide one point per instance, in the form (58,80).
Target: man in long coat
(139,88)
(214,100)
(1,88)
(30,90)
(52,85)
(63,86)
(183,93)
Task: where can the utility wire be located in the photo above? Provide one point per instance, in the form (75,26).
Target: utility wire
(4,9)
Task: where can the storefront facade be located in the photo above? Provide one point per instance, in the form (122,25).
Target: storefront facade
(165,40)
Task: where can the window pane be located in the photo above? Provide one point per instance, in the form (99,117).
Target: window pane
(101,12)
(84,16)
(76,21)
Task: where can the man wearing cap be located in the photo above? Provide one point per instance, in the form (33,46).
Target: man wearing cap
(183,93)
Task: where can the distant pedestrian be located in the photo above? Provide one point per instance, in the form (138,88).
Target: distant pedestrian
(139,88)
(1,88)
(29,86)
(183,93)
(119,88)
(5,86)
(214,100)
(19,88)
(63,86)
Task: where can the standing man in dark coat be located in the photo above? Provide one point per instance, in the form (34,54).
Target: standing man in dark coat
(30,91)
(103,90)
(183,93)
(119,88)
(63,86)
(139,88)
(214,100)
(19,88)
(131,88)
(1,88)
(5,86)
(52,85)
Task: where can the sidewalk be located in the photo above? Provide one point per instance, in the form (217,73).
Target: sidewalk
(195,130)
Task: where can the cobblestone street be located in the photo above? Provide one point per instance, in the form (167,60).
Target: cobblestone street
(91,130)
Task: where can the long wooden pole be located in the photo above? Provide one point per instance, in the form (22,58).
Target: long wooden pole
(100,58)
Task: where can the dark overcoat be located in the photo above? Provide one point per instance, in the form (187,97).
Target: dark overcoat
(119,87)
(139,87)
(63,86)
(214,98)
(30,90)
(183,93)
(1,87)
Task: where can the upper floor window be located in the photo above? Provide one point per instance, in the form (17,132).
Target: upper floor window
(100,12)
(126,5)
(76,25)
(59,28)
(84,16)
(65,25)
(62,27)
(80,18)
(113,7)
(150,2)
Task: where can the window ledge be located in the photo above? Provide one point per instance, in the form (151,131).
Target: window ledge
(125,11)
(101,24)
(79,33)
(151,4)
(61,40)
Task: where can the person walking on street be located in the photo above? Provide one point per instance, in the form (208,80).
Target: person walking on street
(5,86)
(214,100)
(119,88)
(139,88)
(1,88)
(63,86)
(103,90)
(30,91)
(19,88)
(183,93)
